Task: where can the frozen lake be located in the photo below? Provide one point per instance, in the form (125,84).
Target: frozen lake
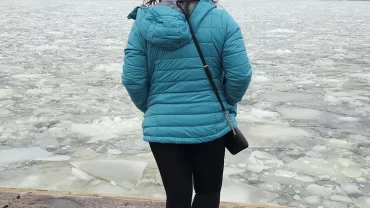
(66,123)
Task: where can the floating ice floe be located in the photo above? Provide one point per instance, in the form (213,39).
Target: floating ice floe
(233,191)
(282,30)
(105,129)
(81,175)
(362,202)
(124,173)
(351,188)
(260,79)
(264,114)
(315,166)
(337,143)
(312,199)
(259,161)
(6,93)
(274,135)
(300,113)
(318,190)
(40,91)
(114,152)
(4,112)
(348,119)
(333,204)
(365,76)
(56,158)
(11,156)
(305,82)
(114,67)
(287,97)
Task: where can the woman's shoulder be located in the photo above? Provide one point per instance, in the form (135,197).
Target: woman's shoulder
(221,18)
(222,14)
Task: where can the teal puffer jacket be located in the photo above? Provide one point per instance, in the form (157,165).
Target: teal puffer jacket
(164,75)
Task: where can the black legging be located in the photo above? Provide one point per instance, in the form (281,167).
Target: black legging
(179,164)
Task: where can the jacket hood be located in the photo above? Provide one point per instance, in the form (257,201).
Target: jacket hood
(165,26)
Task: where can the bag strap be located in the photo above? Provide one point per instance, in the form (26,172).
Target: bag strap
(205,66)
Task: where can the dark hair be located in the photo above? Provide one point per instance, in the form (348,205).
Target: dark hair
(151,2)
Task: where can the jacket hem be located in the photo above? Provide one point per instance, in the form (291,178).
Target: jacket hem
(175,140)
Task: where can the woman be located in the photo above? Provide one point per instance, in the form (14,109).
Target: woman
(164,76)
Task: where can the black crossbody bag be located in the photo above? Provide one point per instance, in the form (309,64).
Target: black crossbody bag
(235,141)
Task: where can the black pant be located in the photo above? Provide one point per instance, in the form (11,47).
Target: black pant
(182,164)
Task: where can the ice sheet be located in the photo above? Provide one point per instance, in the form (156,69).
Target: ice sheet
(314,166)
(122,172)
(300,113)
(6,93)
(17,155)
(288,97)
(81,175)
(237,192)
(273,135)
(56,158)
(106,128)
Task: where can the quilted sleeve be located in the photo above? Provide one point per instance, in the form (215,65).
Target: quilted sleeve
(235,62)
(135,73)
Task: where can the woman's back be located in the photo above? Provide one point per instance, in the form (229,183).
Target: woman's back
(165,78)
